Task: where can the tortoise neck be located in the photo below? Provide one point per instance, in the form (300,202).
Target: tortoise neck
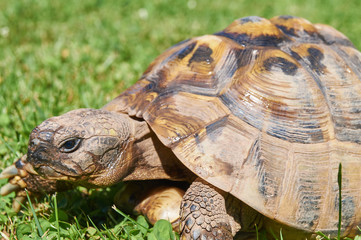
(151,159)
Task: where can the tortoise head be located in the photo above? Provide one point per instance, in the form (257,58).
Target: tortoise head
(86,146)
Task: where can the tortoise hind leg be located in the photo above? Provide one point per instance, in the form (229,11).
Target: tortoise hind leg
(203,214)
(154,199)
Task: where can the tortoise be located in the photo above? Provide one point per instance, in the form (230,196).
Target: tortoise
(257,118)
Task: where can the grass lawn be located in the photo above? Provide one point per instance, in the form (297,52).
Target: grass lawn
(61,55)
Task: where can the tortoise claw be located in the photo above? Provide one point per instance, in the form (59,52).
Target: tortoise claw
(16,184)
(24,180)
(9,188)
(9,172)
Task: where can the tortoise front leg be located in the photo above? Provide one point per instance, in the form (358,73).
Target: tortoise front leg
(203,214)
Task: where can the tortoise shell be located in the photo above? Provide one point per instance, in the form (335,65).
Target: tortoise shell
(265,110)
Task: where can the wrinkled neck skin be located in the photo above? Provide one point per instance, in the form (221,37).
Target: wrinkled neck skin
(143,157)
(151,159)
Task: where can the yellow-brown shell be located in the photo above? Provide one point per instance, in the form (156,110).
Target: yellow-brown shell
(265,110)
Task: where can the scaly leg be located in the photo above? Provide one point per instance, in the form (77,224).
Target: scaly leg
(203,214)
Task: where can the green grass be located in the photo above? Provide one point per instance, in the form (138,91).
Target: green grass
(61,55)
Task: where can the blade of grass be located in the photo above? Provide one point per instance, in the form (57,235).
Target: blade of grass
(98,231)
(257,237)
(281,236)
(77,228)
(112,218)
(56,215)
(127,217)
(273,235)
(40,230)
(323,235)
(109,233)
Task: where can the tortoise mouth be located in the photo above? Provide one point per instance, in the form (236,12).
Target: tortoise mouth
(49,172)
(49,169)
(41,170)
(56,172)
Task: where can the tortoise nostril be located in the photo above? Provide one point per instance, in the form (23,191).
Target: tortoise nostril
(37,157)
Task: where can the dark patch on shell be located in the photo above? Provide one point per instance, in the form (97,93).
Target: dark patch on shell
(331,39)
(262,40)
(202,54)
(341,41)
(296,56)
(187,50)
(315,58)
(287,31)
(286,66)
(243,56)
(309,210)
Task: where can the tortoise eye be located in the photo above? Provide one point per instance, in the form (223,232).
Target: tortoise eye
(70,145)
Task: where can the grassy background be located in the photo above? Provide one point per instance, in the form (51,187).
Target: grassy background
(61,55)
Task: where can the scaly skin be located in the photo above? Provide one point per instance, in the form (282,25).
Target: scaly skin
(203,214)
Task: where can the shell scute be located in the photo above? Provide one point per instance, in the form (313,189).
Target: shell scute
(261,95)
(163,115)
(193,67)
